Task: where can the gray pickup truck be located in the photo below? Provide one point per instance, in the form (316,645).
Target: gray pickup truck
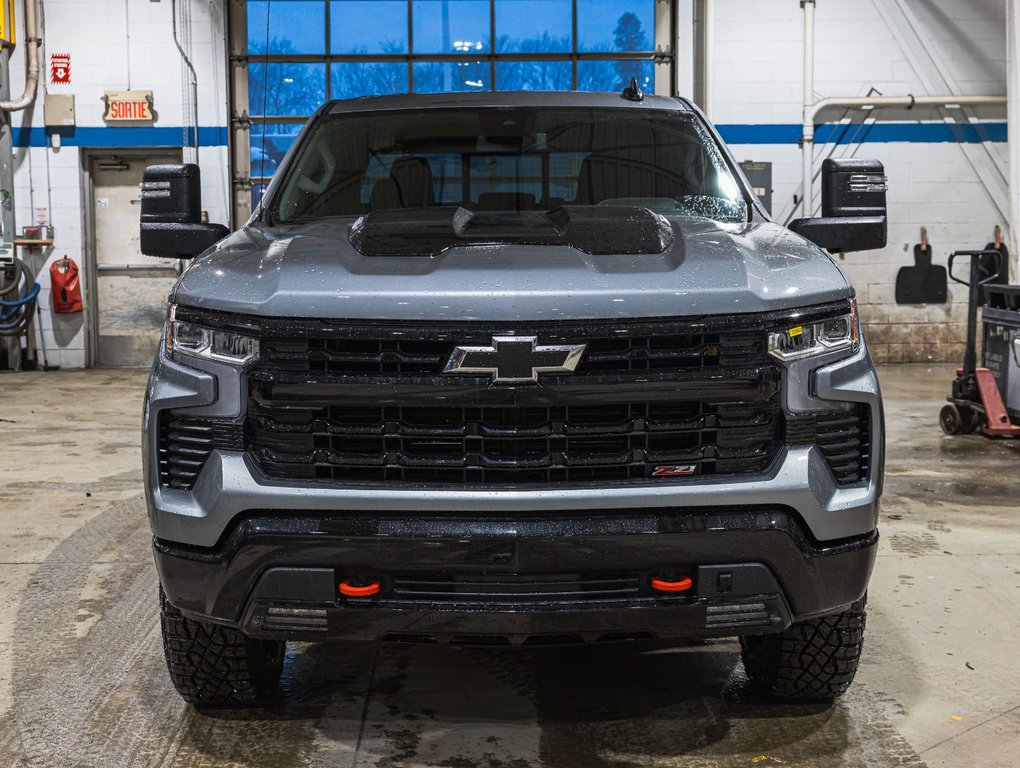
(512,369)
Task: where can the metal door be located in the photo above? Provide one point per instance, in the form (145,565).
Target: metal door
(130,289)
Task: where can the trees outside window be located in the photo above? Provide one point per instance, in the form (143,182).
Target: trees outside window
(629,36)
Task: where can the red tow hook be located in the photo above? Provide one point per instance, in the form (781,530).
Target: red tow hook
(680,584)
(347,589)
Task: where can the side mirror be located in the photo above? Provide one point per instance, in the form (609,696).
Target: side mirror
(853,207)
(172,213)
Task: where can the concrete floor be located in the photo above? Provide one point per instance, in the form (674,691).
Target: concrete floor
(83,683)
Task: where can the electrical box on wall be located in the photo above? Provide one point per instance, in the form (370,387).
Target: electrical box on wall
(760,176)
(58,110)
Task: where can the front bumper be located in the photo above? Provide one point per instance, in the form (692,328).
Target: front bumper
(517,579)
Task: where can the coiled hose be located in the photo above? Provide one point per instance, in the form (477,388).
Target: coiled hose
(16,314)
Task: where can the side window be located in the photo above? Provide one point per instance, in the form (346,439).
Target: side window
(322,185)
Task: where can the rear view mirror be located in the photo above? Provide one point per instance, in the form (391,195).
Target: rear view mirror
(853,207)
(172,213)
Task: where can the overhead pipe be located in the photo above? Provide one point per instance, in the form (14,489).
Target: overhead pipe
(32,57)
(192,137)
(708,54)
(862,102)
(808,143)
(1013,119)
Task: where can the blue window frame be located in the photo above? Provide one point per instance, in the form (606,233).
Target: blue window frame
(453,76)
(285,89)
(451,26)
(615,25)
(350,79)
(536,75)
(282,27)
(368,26)
(534,26)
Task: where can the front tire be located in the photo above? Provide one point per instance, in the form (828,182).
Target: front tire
(813,660)
(217,666)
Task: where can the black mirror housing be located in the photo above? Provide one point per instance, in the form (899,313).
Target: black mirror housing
(843,234)
(853,207)
(853,187)
(180,241)
(171,221)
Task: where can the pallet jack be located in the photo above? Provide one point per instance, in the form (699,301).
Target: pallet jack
(975,400)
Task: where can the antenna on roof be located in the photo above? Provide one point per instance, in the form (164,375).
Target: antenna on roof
(633,92)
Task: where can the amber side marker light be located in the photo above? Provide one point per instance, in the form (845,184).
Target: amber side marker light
(672,585)
(359,590)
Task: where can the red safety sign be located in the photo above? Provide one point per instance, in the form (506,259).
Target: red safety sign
(60,68)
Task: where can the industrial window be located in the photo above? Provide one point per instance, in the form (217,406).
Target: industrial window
(296,54)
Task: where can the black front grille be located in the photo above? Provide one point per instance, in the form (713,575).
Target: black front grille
(627,351)
(513,444)
(185,444)
(657,400)
(843,436)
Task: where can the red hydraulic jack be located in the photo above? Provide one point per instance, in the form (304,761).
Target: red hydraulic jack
(975,399)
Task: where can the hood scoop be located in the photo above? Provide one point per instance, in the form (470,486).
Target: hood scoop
(593,229)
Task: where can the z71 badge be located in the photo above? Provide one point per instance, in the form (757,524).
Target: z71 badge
(674,470)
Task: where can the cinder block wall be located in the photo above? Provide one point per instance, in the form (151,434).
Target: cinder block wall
(759,82)
(113,46)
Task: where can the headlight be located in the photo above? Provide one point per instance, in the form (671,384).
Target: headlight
(818,338)
(184,339)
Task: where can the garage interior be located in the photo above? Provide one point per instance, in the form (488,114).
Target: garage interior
(926,86)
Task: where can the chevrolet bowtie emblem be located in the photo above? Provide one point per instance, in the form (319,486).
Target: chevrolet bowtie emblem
(515,359)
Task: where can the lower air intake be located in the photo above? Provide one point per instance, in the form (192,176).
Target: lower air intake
(843,436)
(185,444)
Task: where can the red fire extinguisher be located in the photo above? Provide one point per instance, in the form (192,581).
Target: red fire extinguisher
(65,286)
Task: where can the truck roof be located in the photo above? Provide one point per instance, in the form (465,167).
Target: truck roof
(503,99)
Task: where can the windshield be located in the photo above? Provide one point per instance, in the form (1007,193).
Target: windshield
(509,160)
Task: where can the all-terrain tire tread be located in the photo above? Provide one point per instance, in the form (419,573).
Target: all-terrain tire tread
(811,660)
(214,665)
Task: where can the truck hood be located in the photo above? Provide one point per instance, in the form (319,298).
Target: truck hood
(312,270)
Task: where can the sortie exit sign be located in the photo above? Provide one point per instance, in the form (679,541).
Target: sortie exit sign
(133,106)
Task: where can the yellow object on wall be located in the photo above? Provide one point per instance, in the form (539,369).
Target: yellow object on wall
(7,28)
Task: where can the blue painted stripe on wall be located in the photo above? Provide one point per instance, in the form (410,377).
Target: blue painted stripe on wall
(775,133)
(880,133)
(121,136)
(760,134)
